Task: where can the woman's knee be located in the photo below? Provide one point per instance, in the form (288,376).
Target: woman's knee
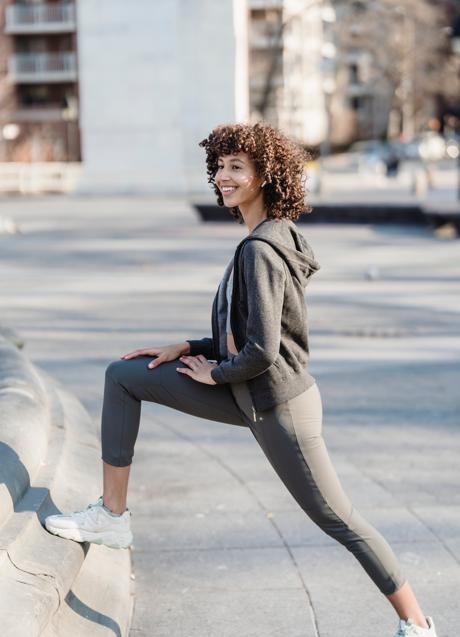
(131,372)
(117,370)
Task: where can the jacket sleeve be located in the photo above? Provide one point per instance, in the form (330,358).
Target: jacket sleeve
(264,278)
(202,346)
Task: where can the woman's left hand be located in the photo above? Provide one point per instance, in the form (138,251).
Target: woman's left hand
(199,368)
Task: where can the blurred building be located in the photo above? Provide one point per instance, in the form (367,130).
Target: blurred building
(330,72)
(38,82)
(396,72)
(155,77)
(152,79)
(362,100)
(292,66)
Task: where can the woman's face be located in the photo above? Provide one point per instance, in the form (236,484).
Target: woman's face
(237,179)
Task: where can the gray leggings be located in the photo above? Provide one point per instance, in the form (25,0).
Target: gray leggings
(289,434)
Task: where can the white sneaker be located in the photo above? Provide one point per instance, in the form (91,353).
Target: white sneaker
(93,524)
(409,629)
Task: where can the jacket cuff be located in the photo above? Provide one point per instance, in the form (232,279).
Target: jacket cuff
(196,347)
(217,375)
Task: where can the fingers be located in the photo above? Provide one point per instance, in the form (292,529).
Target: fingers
(131,354)
(193,361)
(156,362)
(139,352)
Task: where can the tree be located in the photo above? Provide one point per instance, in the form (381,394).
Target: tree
(407,43)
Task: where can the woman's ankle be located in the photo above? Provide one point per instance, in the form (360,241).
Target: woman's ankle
(113,506)
(421,622)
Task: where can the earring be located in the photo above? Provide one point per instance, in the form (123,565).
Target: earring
(264,184)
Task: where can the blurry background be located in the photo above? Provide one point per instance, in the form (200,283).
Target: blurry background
(110,98)
(114,96)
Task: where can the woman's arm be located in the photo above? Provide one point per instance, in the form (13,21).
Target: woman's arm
(264,276)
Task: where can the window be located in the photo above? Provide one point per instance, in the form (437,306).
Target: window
(356,103)
(359,7)
(354,73)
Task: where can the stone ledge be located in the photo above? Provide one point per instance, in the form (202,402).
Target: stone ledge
(50,586)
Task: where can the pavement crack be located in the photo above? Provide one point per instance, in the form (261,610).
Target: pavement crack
(213,456)
(437,536)
(261,506)
(311,608)
(421,520)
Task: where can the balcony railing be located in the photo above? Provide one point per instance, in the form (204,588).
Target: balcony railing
(31,114)
(39,177)
(43,67)
(265,38)
(40,18)
(266,4)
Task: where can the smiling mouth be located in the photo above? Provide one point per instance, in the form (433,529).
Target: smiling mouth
(228,190)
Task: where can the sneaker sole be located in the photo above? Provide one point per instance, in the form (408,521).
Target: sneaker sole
(111,540)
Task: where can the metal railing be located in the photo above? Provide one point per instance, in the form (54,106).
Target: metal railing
(39,177)
(40,17)
(266,4)
(43,67)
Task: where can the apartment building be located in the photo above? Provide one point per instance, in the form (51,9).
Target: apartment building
(314,72)
(363,94)
(292,66)
(39,118)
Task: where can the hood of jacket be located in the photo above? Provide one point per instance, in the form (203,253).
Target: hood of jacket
(285,238)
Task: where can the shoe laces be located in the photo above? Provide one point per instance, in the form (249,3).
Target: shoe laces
(408,628)
(91,510)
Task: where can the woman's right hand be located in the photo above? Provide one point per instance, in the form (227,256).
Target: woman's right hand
(164,354)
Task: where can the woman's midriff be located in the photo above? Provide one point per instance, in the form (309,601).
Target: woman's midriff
(231,347)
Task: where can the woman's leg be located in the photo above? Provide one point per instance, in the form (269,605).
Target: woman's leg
(115,492)
(290,436)
(127,383)
(406,605)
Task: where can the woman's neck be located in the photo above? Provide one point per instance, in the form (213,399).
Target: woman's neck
(253,220)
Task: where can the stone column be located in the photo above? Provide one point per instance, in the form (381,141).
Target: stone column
(155,77)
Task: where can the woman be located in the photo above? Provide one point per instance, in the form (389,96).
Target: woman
(252,372)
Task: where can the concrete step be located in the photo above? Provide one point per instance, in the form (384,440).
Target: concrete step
(24,426)
(51,586)
(11,335)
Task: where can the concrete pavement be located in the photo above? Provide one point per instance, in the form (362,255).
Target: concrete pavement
(221,549)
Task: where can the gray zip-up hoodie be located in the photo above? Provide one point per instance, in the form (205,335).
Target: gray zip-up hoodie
(271,268)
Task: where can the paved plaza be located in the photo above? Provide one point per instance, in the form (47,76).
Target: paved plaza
(221,548)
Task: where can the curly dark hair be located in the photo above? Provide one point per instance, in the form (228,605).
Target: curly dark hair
(279,160)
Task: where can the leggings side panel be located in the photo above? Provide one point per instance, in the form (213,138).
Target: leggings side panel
(294,445)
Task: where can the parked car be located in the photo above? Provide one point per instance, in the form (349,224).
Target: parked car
(374,155)
(453,146)
(431,146)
